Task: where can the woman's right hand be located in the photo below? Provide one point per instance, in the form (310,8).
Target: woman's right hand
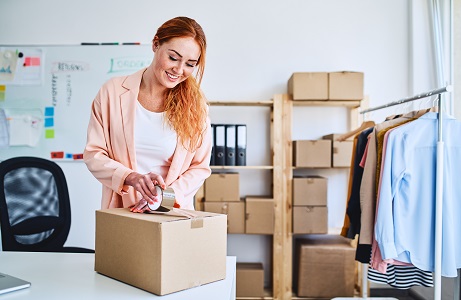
(145,184)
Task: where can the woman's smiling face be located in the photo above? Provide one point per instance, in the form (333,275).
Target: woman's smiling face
(175,60)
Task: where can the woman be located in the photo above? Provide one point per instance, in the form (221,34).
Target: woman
(152,127)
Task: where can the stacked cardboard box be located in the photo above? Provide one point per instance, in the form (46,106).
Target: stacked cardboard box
(250,280)
(308,86)
(344,85)
(324,153)
(341,151)
(259,218)
(222,195)
(324,267)
(310,212)
(255,215)
(312,153)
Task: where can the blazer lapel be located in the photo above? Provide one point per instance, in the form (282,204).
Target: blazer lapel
(128,111)
(176,164)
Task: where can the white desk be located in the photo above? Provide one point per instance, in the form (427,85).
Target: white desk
(72,276)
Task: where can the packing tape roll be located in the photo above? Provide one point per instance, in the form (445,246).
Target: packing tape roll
(168,199)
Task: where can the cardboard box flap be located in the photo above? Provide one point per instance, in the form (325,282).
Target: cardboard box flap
(159,217)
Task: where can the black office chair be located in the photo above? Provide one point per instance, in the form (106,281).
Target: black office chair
(35,210)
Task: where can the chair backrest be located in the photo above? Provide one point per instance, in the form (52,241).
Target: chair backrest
(35,210)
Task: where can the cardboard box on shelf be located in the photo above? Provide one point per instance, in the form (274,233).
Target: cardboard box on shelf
(345,85)
(310,219)
(235,212)
(259,216)
(324,267)
(310,191)
(222,187)
(312,153)
(308,86)
(161,253)
(341,152)
(250,280)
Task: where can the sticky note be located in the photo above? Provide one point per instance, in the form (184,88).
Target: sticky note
(2,92)
(49,111)
(57,154)
(49,122)
(31,61)
(49,134)
(78,156)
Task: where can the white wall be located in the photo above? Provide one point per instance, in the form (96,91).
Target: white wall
(253,47)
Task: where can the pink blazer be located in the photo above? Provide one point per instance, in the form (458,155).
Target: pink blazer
(110,154)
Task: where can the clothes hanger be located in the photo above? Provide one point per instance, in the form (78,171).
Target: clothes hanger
(422,111)
(362,127)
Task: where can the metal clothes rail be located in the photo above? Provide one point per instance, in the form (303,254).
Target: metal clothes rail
(439,181)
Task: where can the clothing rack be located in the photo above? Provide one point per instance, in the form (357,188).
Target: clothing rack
(439,182)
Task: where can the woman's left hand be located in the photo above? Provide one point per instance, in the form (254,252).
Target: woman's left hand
(142,205)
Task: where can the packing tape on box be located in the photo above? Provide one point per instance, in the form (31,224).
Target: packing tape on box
(196,223)
(166,205)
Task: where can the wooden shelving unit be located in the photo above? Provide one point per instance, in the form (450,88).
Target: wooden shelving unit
(286,235)
(276,145)
(282,174)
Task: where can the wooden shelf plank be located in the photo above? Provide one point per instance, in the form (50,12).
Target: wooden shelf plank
(319,168)
(242,103)
(242,167)
(346,103)
(267,296)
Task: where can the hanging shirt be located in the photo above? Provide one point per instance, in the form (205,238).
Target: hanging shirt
(401,277)
(368,185)
(405,221)
(155,142)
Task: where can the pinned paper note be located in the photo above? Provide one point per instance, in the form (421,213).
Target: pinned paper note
(8,63)
(4,133)
(25,128)
(21,65)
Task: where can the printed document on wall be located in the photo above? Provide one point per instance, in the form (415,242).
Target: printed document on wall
(21,66)
(25,127)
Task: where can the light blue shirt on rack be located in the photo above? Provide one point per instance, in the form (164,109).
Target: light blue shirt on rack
(405,221)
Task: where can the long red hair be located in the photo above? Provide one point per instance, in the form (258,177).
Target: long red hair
(185,105)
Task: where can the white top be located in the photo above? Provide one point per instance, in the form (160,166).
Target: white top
(71,276)
(154,141)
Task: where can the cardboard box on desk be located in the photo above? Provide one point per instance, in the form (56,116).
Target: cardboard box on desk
(345,85)
(158,253)
(222,187)
(235,212)
(341,152)
(250,280)
(311,190)
(325,267)
(308,86)
(310,219)
(312,153)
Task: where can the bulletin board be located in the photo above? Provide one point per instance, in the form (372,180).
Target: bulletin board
(46,94)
